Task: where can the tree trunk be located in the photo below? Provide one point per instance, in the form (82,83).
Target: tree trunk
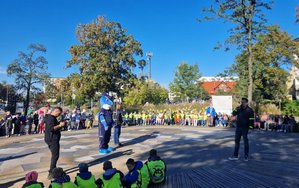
(27,100)
(250,56)
(250,79)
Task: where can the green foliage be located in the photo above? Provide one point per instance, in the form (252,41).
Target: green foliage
(273,52)
(9,92)
(29,69)
(146,91)
(185,83)
(291,107)
(105,56)
(249,21)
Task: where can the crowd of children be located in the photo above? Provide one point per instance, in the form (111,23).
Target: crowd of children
(140,175)
(180,117)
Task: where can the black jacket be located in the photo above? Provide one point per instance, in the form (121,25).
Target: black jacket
(50,133)
(245,117)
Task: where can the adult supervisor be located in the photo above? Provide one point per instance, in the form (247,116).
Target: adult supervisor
(245,119)
(52,136)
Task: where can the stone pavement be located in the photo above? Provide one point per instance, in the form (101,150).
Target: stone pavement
(195,156)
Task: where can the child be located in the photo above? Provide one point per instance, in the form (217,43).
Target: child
(111,178)
(61,179)
(31,180)
(156,167)
(84,178)
(138,175)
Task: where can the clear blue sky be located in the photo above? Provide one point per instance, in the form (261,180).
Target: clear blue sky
(167,28)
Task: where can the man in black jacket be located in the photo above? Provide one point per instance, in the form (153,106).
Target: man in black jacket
(52,136)
(245,119)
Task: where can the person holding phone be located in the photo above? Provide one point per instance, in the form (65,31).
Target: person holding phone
(52,136)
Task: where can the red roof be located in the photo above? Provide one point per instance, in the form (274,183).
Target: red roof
(213,86)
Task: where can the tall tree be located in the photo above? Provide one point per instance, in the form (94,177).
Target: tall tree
(274,54)
(29,69)
(249,21)
(105,55)
(185,82)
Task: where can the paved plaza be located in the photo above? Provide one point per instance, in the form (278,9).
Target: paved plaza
(195,156)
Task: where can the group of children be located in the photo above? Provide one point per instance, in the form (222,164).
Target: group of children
(140,175)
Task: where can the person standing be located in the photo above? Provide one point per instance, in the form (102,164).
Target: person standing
(244,119)
(118,123)
(8,124)
(35,122)
(211,113)
(52,136)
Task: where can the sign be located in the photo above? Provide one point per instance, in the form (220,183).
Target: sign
(19,107)
(222,104)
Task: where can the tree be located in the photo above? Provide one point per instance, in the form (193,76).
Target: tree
(185,82)
(274,51)
(29,69)
(105,56)
(8,97)
(249,21)
(145,91)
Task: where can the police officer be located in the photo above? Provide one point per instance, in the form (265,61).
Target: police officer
(245,119)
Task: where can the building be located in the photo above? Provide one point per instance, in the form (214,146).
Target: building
(213,85)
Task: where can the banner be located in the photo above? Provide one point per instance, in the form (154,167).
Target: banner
(223,104)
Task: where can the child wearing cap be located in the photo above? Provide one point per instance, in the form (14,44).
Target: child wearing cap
(61,179)
(85,178)
(111,178)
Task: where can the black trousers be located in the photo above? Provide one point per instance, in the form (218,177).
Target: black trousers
(241,132)
(54,147)
(104,136)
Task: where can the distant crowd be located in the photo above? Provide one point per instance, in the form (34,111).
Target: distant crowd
(19,124)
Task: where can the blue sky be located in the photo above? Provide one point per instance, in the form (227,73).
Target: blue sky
(167,28)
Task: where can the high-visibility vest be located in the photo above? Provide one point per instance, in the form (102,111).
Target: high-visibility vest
(64,185)
(114,182)
(90,183)
(156,170)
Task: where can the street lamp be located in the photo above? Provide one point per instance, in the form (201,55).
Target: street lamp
(149,56)
(6,104)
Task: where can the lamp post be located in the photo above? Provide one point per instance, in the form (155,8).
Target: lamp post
(6,104)
(149,56)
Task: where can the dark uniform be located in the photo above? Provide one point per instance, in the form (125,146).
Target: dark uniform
(52,138)
(245,119)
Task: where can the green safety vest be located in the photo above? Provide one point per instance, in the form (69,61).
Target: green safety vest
(156,170)
(143,176)
(90,183)
(114,182)
(35,185)
(64,185)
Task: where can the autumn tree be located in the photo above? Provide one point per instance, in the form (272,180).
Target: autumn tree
(249,20)
(105,56)
(29,69)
